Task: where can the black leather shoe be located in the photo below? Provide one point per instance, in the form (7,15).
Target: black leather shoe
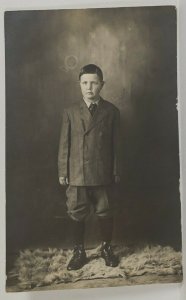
(107,254)
(78,259)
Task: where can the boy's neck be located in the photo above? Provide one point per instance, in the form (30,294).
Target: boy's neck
(92,100)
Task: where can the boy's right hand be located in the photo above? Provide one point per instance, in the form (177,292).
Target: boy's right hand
(63,180)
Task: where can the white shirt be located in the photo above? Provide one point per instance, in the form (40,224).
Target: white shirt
(89,102)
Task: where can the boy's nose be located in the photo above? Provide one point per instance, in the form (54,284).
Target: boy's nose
(89,86)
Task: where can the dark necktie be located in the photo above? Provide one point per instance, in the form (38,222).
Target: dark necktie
(92,108)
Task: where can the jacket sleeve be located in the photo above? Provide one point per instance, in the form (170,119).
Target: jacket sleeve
(117,144)
(64,147)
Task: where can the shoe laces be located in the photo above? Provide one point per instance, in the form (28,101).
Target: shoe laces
(78,251)
(108,250)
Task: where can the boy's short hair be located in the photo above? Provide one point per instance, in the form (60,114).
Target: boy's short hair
(91,69)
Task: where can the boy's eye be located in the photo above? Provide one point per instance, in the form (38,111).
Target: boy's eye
(92,82)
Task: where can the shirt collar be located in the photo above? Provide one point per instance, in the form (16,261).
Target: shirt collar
(89,102)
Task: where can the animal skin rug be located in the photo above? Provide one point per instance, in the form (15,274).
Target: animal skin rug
(45,267)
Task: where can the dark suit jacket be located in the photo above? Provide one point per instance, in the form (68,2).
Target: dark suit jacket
(89,146)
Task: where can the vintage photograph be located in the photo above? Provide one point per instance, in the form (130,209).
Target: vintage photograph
(92,148)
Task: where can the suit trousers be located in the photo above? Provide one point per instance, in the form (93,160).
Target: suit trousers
(80,199)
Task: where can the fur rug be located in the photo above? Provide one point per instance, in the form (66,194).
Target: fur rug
(45,267)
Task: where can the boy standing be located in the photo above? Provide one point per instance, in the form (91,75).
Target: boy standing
(88,163)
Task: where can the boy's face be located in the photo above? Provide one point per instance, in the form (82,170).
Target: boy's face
(91,86)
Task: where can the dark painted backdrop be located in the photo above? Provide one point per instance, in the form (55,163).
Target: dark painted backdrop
(136,48)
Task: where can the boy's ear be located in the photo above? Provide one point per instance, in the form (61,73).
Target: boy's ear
(103,82)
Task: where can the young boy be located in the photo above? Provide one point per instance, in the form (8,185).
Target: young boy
(88,163)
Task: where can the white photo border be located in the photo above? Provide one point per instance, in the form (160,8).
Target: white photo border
(174,291)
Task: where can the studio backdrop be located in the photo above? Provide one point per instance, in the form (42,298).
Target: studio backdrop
(136,49)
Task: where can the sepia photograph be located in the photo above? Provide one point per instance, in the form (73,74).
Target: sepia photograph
(92,148)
